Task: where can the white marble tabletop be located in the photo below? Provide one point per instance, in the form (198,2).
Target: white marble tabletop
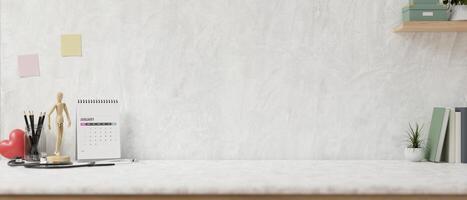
(240,177)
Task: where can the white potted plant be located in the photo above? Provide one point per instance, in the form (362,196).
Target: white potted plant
(458,9)
(414,151)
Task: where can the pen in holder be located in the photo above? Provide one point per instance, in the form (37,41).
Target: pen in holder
(35,144)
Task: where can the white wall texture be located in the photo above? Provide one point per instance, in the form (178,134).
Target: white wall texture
(236,79)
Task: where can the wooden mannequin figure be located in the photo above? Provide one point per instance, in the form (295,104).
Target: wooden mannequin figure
(59,107)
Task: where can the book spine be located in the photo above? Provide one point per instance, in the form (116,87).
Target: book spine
(451,137)
(458,137)
(463,112)
(442,136)
(434,133)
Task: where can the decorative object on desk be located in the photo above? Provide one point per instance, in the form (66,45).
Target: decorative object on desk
(414,151)
(14,146)
(437,134)
(98,129)
(458,9)
(425,10)
(59,108)
(28,65)
(35,144)
(71,45)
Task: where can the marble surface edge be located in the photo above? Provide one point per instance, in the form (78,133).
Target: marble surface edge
(240,177)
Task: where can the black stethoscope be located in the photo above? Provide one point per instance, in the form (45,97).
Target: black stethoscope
(20,162)
(16,162)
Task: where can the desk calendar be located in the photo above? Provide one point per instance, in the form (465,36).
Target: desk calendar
(97,129)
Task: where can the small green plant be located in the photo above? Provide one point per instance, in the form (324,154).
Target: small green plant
(414,136)
(455,2)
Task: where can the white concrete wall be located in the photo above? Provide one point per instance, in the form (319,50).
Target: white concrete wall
(236,79)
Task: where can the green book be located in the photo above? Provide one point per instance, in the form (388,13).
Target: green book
(437,134)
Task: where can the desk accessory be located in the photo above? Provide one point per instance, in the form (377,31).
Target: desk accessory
(118,161)
(62,166)
(31,118)
(97,129)
(14,146)
(19,162)
(26,122)
(34,141)
(59,108)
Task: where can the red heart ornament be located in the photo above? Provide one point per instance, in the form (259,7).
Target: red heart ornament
(14,146)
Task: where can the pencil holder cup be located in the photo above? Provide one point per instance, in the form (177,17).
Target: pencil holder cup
(35,144)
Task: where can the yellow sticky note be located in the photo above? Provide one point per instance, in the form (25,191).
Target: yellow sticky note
(71,45)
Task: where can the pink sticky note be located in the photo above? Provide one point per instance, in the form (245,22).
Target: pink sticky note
(28,65)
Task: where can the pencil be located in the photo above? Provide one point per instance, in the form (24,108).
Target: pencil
(31,118)
(40,125)
(27,124)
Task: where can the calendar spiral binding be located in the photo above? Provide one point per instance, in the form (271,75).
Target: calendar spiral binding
(94,101)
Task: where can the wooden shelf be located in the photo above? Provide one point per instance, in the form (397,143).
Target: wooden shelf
(433,26)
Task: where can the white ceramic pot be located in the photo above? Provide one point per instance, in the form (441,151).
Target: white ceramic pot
(459,12)
(414,154)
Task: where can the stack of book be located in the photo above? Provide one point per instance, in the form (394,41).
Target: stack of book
(447,137)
